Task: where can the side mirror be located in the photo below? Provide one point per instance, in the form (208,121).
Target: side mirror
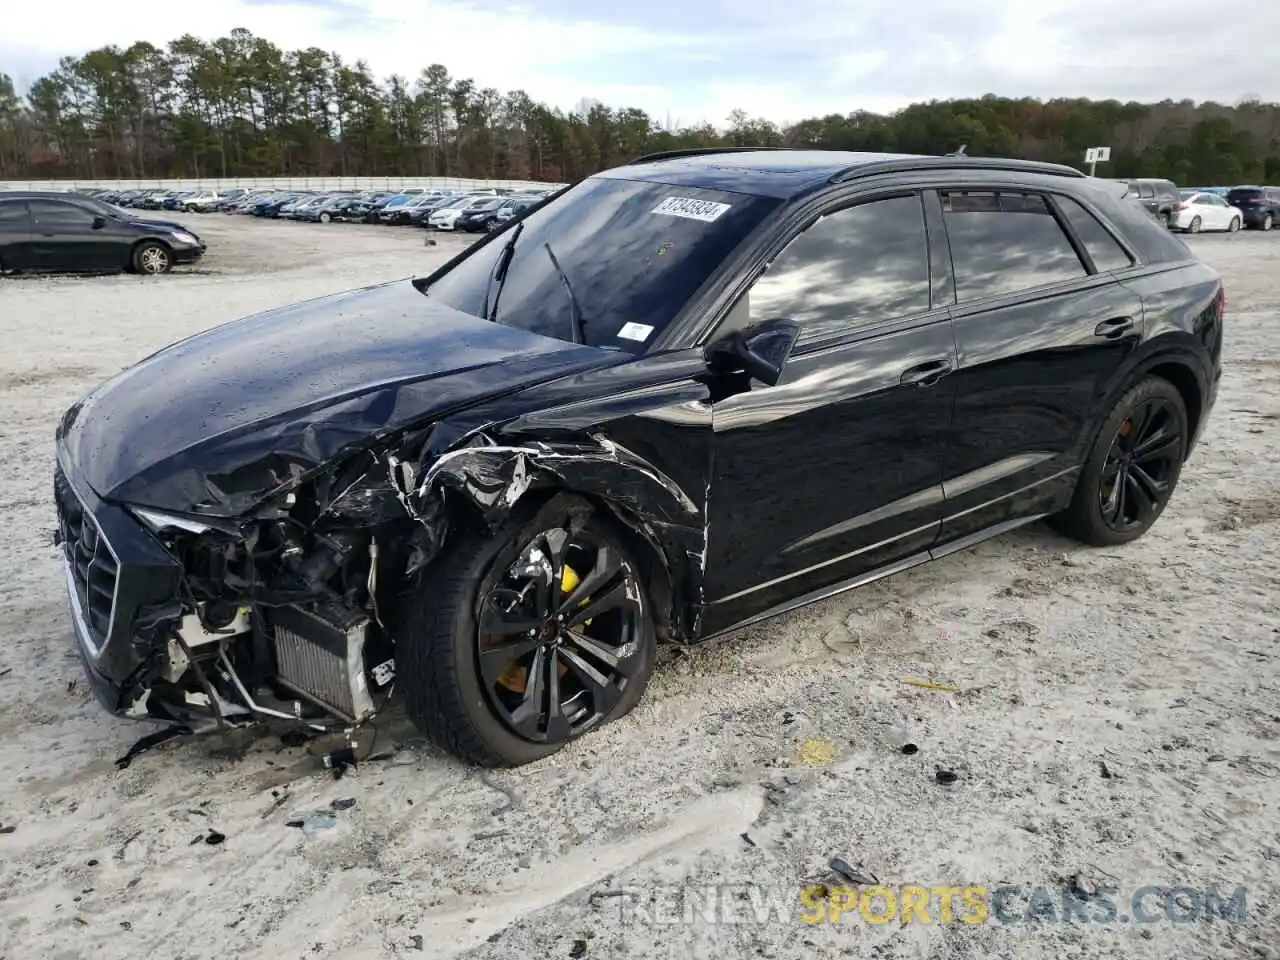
(760,350)
(99,222)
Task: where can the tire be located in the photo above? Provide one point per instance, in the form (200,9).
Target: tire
(1194,226)
(1165,218)
(1267,222)
(480,714)
(325,218)
(152,258)
(1234,225)
(1150,417)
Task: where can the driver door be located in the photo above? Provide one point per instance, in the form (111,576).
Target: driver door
(835,474)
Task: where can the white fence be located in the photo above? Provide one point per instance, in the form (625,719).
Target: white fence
(278,183)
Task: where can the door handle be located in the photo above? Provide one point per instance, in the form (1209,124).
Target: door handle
(928,373)
(1115,328)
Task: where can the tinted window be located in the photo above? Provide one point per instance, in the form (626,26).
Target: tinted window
(1235,196)
(855,266)
(1002,242)
(633,253)
(13,215)
(1145,191)
(1106,253)
(58,212)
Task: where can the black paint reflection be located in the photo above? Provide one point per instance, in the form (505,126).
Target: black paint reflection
(856,266)
(1004,242)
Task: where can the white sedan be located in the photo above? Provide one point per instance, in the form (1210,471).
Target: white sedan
(1205,211)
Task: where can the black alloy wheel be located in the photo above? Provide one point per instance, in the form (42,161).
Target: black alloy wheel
(515,641)
(559,635)
(1132,469)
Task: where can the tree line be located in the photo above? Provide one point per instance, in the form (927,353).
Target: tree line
(242,106)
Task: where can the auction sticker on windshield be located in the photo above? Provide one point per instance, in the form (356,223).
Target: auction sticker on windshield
(635,331)
(705,210)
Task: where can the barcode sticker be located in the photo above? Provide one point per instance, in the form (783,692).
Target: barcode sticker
(704,210)
(635,331)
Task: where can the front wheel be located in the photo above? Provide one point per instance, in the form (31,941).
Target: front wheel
(1132,469)
(1194,226)
(152,258)
(325,218)
(1234,225)
(516,642)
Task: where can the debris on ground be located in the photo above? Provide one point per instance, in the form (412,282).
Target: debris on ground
(910,748)
(930,685)
(343,803)
(152,740)
(313,822)
(7,828)
(579,949)
(815,752)
(946,777)
(857,875)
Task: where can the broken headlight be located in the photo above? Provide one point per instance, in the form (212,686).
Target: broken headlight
(369,501)
(158,521)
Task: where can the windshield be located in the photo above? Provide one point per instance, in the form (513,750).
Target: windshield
(632,252)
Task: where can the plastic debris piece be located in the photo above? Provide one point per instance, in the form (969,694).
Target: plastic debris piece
(946,777)
(930,685)
(343,803)
(858,875)
(815,752)
(910,749)
(314,822)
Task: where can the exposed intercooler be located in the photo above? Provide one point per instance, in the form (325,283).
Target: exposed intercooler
(320,656)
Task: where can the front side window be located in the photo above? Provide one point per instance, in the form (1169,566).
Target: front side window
(1147,192)
(1003,242)
(59,213)
(13,215)
(610,261)
(853,267)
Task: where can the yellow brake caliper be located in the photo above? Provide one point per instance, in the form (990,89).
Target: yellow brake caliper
(516,675)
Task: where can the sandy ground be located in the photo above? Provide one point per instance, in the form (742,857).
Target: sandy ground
(1116,720)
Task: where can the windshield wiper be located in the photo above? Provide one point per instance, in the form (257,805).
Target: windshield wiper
(500,273)
(575,309)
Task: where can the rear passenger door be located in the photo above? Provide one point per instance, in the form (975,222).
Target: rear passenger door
(1041,330)
(15,235)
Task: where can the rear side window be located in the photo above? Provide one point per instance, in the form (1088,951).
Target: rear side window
(1145,191)
(1102,248)
(1004,242)
(854,267)
(13,214)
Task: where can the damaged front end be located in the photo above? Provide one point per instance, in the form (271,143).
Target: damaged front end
(288,613)
(200,620)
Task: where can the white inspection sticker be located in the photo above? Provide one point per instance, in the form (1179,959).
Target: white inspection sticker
(635,331)
(691,209)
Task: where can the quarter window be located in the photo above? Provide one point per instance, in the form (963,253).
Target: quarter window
(854,267)
(1103,249)
(1002,242)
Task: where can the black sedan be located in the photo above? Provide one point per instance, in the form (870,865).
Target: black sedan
(66,232)
(675,399)
(479,218)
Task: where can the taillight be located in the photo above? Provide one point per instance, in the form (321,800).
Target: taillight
(1222,301)
(1182,206)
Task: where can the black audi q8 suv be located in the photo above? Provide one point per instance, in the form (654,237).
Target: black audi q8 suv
(676,398)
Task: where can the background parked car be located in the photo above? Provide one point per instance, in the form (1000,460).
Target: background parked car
(478,218)
(1205,211)
(65,232)
(1160,197)
(1260,205)
(447,216)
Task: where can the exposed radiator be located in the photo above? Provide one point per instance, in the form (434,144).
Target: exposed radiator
(320,656)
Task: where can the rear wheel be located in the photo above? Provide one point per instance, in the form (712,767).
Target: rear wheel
(1267,222)
(325,218)
(517,642)
(1194,226)
(1132,469)
(152,257)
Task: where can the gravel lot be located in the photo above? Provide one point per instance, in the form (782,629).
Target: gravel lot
(1115,718)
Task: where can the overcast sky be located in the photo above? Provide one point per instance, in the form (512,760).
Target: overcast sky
(695,60)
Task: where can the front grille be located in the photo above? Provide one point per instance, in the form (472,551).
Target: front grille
(320,655)
(93,565)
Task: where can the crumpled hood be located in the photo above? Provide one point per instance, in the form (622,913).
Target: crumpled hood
(213,423)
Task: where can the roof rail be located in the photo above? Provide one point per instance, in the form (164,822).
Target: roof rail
(952,162)
(696,152)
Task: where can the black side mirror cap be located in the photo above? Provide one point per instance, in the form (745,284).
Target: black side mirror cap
(761,350)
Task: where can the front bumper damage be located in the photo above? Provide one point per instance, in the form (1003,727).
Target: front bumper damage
(289,613)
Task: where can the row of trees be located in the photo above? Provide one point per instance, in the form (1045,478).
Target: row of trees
(241,106)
